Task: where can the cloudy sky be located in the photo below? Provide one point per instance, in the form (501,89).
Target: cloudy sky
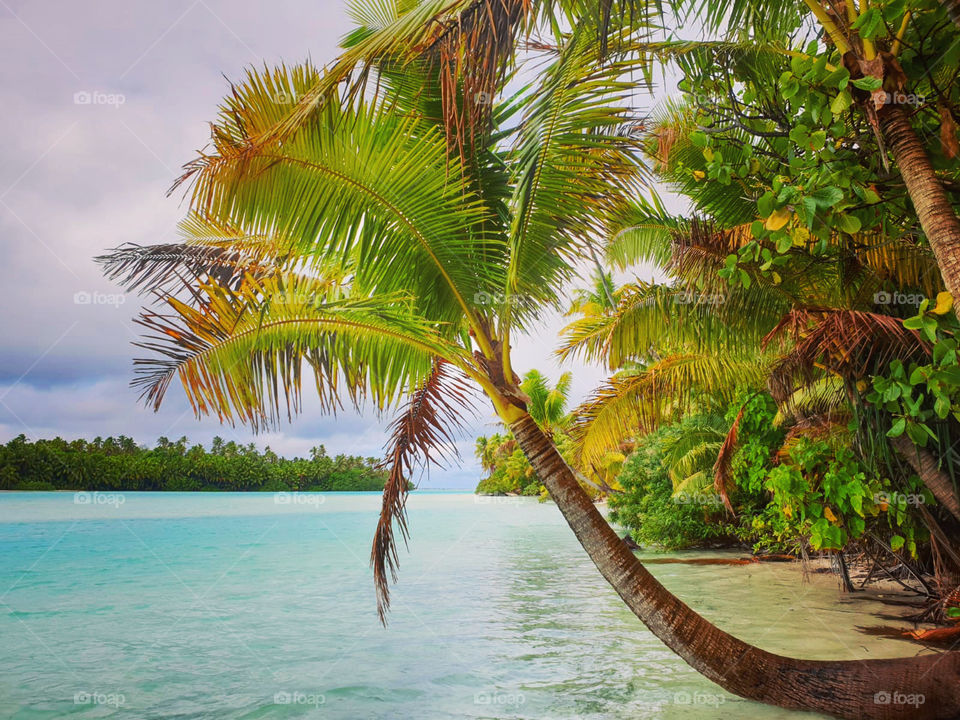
(103,101)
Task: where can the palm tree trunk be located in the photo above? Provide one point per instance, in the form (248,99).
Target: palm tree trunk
(846,689)
(926,466)
(936,215)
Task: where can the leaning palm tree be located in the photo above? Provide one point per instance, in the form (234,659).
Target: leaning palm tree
(367,253)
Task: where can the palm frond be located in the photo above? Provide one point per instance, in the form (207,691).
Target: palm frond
(360,186)
(722,466)
(423,433)
(468,44)
(573,166)
(824,396)
(171,267)
(241,354)
(635,403)
(849,343)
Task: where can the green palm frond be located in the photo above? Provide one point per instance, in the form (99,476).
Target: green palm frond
(697,483)
(363,187)
(242,354)
(572,167)
(694,450)
(548,405)
(634,404)
(822,396)
(654,319)
(643,233)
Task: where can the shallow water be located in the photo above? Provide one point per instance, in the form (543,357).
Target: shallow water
(149,605)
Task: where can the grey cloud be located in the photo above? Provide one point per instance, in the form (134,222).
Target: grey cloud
(82,173)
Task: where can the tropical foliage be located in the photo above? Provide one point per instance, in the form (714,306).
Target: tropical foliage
(794,283)
(396,230)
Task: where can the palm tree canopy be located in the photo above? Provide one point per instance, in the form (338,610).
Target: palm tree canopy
(360,252)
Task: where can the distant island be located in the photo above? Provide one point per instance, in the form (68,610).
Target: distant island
(121,464)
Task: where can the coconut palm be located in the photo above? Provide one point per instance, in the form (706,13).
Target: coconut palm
(547,405)
(362,251)
(357,242)
(472,42)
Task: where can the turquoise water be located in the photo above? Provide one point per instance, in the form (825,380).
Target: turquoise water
(148,605)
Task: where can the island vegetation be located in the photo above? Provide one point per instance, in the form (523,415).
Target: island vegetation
(791,383)
(120,464)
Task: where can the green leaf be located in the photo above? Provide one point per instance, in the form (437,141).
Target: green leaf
(850,224)
(896,542)
(827,197)
(839,78)
(841,102)
(790,88)
(868,83)
(896,430)
(800,134)
(866,194)
(766,204)
(869,24)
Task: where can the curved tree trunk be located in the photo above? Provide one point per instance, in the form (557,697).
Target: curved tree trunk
(937,218)
(926,466)
(846,689)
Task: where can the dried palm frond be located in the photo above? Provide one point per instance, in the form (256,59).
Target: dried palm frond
(849,343)
(422,434)
(721,469)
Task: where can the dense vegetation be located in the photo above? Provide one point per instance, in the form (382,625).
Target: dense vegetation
(796,372)
(120,464)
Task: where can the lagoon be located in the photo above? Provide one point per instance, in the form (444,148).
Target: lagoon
(232,605)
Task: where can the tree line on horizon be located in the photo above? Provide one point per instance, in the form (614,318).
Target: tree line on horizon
(106,464)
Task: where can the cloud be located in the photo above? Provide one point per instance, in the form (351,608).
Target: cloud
(104,103)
